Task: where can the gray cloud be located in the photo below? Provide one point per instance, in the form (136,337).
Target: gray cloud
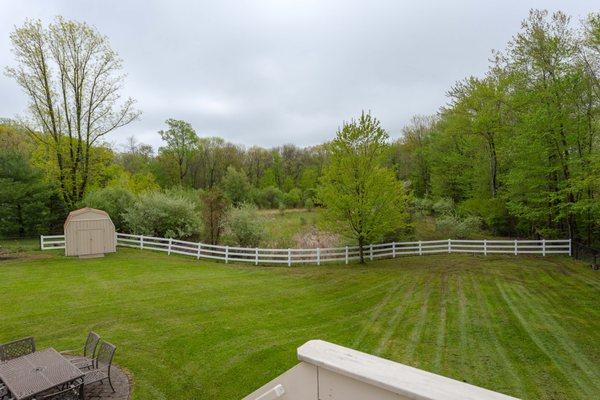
(284,71)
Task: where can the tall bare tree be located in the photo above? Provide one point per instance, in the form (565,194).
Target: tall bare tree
(73,80)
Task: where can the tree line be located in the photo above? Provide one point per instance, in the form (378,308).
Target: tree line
(514,151)
(519,146)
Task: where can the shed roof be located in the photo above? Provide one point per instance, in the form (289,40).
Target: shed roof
(85,210)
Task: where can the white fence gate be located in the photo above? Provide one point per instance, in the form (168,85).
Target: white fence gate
(332,254)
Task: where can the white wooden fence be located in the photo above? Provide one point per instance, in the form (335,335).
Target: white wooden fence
(52,242)
(332,254)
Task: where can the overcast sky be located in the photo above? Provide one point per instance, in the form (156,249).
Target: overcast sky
(269,72)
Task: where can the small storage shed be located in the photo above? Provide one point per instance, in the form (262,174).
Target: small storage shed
(89,233)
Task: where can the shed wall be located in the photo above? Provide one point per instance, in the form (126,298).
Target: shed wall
(89,233)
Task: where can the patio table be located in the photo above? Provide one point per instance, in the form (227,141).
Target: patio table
(37,372)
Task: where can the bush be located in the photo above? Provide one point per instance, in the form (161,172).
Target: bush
(269,197)
(453,227)
(493,212)
(246,226)
(443,207)
(192,195)
(115,201)
(422,206)
(163,215)
(293,198)
(309,204)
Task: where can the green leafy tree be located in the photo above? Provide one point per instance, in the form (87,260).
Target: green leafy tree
(362,197)
(236,186)
(409,155)
(26,202)
(181,141)
(293,198)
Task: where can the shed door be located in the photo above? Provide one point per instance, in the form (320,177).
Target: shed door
(89,241)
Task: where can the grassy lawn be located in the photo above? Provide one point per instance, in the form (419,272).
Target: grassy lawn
(528,327)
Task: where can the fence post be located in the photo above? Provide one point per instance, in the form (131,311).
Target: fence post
(199,248)
(41,242)
(449,246)
(170,243)
(570,247)
(371,252)
(544,247)
(318,256)
(226,254)
(256,256)
(142,242)
(346,255)
(394,249)
(516,248)
(289,258)
(485,247)
(420,248)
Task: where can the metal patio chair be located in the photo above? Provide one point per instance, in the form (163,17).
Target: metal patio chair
(3,391)
(89,351)
(17,348)
(102,364)
(73,392)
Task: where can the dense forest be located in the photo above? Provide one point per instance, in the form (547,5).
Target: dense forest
(515,152)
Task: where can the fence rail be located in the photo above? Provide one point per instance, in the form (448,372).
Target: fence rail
(332,254)
(49,242)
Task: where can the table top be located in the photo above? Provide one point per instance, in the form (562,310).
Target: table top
(37,372)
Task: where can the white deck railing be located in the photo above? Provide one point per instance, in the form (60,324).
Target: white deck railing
(329,371)
(331,254)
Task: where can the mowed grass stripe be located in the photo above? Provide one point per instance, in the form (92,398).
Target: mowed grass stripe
(492,321)
(557,360)
(558,336)
(195,329)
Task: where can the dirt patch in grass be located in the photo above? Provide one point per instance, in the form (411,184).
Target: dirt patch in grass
(10,254)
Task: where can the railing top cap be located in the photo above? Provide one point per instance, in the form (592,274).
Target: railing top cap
(397,378)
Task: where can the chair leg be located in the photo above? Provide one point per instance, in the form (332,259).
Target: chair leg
(110,383)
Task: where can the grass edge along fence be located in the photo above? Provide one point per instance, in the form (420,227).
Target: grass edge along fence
(332,254)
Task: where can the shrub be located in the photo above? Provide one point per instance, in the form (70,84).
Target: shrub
(192,195)
(115,201)
(453,227)
(269,197)
(293,198)
(422,206)
(443,207)
(163,215)
(493,212)
(246,226)
(309,204)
